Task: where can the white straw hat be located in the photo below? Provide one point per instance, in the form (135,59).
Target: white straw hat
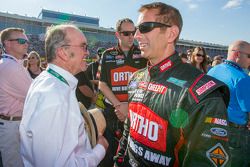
(95,123)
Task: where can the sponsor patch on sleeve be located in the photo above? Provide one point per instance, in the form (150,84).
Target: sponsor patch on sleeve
(205,87)
(217,155)
(217,121)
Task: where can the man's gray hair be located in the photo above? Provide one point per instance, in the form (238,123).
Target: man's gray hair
(56,37)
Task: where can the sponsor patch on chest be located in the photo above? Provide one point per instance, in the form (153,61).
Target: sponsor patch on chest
(166,65)
(147,127)
(153,87)
(120,76)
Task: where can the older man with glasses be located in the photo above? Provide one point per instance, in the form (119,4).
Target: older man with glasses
(231,73)
(15,82)
(52,130)
(177,114)
(117,65)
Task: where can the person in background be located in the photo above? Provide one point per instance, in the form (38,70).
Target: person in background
(94,76)
(93,68)
(172,105)
(189,54)
(117,65)
(85,92)
(231,73)
(15,82)
(52,129)
(217,60)
(1,49)
(184,57)
(34,64)
(199,59)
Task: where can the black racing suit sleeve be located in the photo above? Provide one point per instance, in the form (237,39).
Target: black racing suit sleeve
(205,148)
(121,159)
(103,70)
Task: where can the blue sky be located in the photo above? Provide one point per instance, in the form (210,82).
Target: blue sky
(212,21)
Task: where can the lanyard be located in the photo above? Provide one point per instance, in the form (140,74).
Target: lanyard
(55,74)
(233,65)
(7,57)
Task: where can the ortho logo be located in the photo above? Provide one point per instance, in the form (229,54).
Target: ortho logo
(120,76)
(147,127)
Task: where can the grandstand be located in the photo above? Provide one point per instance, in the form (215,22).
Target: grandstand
(97,36)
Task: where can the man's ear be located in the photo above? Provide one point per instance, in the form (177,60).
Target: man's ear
(173,33)
(6,43)
(60,52)
(117,34)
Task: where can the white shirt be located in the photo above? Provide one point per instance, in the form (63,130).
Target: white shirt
(52,128)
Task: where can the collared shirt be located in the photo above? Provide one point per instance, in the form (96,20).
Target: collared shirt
(238,82)
(52,128)
(14,85)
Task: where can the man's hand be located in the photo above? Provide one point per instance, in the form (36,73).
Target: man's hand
(102,140)
(121,111)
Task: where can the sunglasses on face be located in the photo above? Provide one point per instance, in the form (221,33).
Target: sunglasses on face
(127,33)
(149,26)
(31,58)
(20,41)
(200,55)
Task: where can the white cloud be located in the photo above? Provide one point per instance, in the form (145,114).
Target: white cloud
(233,4)
(193,6)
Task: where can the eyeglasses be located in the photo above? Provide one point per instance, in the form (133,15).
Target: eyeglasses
(20,41)
(248,55)
(84,46)
(149,26)
(200,55)
(127,33)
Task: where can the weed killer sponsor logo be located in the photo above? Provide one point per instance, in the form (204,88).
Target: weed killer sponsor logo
(121,75)
(166,65)
(119,88)
(147,127)
(149,155)
(205,87)
(217,155)
(218,132)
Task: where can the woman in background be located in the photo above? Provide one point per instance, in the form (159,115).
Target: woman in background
(199,59)
(34,64)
